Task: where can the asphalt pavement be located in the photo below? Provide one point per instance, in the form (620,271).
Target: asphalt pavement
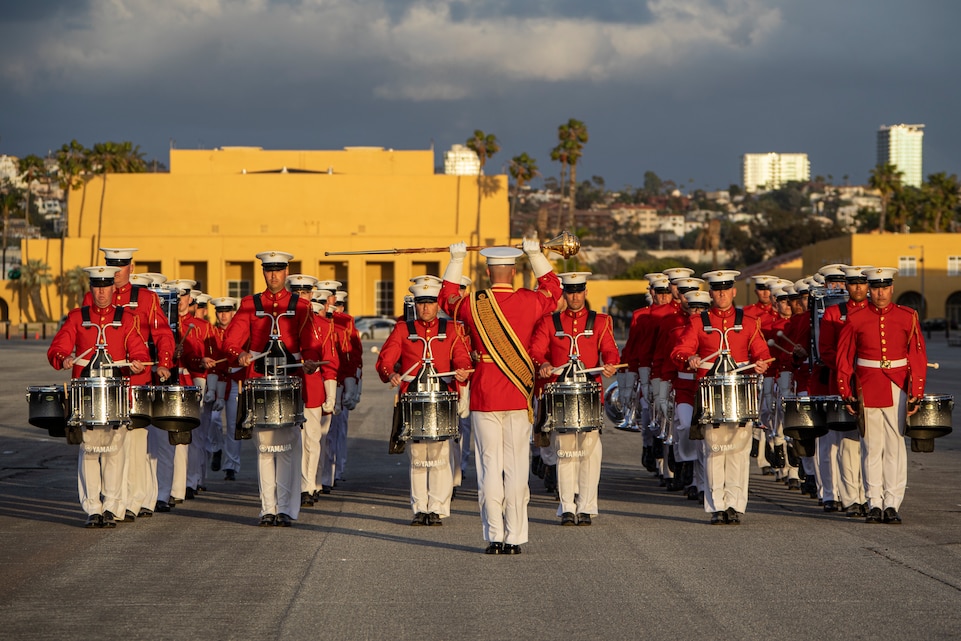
(353,568)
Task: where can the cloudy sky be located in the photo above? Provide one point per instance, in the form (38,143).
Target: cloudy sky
(679,87)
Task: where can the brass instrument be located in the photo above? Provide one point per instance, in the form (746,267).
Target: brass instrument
(566,244)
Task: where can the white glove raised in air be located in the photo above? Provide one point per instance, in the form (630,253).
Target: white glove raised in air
(539,263)
(532,246)
(458,252)
(330,396)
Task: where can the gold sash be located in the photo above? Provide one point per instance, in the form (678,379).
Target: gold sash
(503,345)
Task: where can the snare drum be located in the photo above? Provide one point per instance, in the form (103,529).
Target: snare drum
(175,408)
(729,398)
(836,415)
(573,406)
(933,418)
(99,401)
(48,407)
(428,416)
(804,417)
(141,405)
(273,402)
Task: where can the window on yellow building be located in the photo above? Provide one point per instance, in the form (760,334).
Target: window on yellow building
(384,297)
(954,265)
(907,266)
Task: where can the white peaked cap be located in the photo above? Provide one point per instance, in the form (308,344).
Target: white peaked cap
(331,285)
(102,274)
(698,296)
(301,280)
(678,272)
(501,255)
(274,258)
(880,274)
(224,302)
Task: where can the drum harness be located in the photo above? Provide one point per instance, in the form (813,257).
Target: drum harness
(725,363)
(571,371)
(101,359)
(425,381)
(277,353)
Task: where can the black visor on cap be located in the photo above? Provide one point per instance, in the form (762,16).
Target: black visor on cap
(834,278)
(101,282)
(885,282)
(225,308)
(118,262)
(721,285)
(301,288)
(425,299)
(856,279)
(684,290)
(274,267)
(577,287)
(762,286)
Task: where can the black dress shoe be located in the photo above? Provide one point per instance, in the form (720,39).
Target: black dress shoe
(891,516)
(510,548)
(420,518)
(268,520)
(108,519)
(433,519)
(494,548)
(692,493)
(793,484)
(174,501)
(717,518)
(767,470)
(325,489)
(831,506)
(230,475)
(283,520)
(306,499)
(874,515)
(732,516)
(201,488)
(161,506)
(129,516)
(568,518)
(583,519)
(145,513)
(92,521)
(216,460)
(190,494)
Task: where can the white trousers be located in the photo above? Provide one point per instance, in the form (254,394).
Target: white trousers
(884,456)
(139,485)
(684,448)
(827,461)
(199,441)
(161,455)
(100,473)
(727,466)
(431,481)
(850,482)
(279,469)
(228,425)
(502,456)
(334,457)
(314,436)
(578,470)
(460,451)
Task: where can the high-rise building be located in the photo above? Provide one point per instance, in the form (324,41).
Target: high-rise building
(901,146)
(773,170)
(461,161)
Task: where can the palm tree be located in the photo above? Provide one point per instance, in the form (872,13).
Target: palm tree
(30,168)
(941,198)
(559,154)
(572,136)
(73,159)
(485,146)
(113,158)
(34,275)
(886,179)
(523,169)
(72,285)
(11,198)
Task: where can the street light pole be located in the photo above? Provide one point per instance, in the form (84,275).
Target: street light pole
(923,312)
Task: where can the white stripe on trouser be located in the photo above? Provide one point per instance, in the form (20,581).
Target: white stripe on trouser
(314,437)
(884,457)
(684,448)
(578,470)
(850,484)
(727,467)
(431,482)
(502,457)
(279,472)
(139,485)
(101,473)
(827,452)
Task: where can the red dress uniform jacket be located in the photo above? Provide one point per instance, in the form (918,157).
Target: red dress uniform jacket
(683,379)
(667,321)
(314,392)
(891,334)
(123,343)
(747,345)
(449,353)
(151,323)
(648,341)
(195,345)
(248,332)
(831,324)
(593,350)
(767,314)
(349,346)
(799,331)
(785,360)
(639,322)
(491,390)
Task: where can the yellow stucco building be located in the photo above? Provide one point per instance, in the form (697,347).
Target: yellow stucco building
(208,217)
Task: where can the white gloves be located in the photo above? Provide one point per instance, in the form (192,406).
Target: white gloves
(220,403)
(455,268)
(625,386)
(350,390)
(330,393)
(211,394)
(539,263)
(463,401)
(644,373)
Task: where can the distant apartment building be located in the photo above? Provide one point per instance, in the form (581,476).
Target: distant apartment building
(901,146)
(635,220)
(10,171)
(461,161)
(763,172)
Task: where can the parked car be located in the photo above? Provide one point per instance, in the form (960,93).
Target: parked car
(374,328)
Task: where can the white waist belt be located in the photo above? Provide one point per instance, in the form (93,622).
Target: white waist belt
(687,376)
(883,364)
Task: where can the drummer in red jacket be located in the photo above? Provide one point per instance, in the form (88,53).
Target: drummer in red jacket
(728,446)
(100,468)
(884,347)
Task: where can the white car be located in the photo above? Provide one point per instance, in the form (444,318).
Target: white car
(375,328)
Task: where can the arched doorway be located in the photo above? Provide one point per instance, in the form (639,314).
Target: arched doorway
(4,311)
(912,300)
(952,310)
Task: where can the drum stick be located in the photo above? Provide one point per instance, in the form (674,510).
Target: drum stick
(750,365)
(184,337)
(595,370)
(127,363)
(773,343)
(784,336)
(84,353)
(934,365)
(255,355)
(443,374)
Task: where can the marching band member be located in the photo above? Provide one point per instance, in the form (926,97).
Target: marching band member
(783,368)
(766,312)
(226,454)
(849,482)
(797,329)
(460,450)
(274,310)
(100,468)
(411,345)
(199,362)
(689,448)
(500,321)
(884,347)
(727,462)
(575,337)
(351,350)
